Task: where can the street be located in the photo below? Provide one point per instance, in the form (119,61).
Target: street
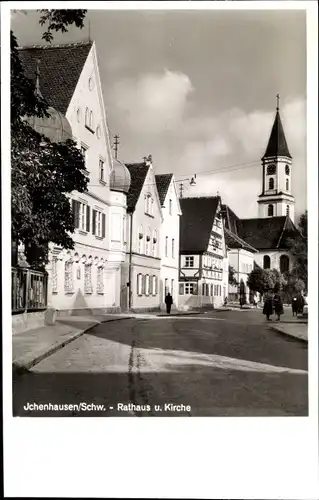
(218,364)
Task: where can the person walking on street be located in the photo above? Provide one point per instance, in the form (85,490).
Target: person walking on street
(168,302)
(268,307)
(300,303)
(294,306)
(278,306)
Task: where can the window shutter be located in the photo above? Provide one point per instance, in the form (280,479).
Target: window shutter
(156,284)
(103,225)
(181,288)
(76,213)
(143,284)
(88,218)
(93,221)
(195,289)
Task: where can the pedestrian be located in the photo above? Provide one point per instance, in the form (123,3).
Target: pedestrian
(168,302)
(268,307)
(225,301)
(294,306)
(278,306)
(300,303)
(255,301)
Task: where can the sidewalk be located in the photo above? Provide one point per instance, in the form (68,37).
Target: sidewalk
(32,346)
(296,329)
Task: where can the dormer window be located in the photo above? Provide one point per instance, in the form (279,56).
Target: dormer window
(271,169)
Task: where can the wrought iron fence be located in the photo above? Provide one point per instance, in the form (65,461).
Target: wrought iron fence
(29,290)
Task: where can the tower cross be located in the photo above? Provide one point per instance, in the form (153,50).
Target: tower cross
(278,97)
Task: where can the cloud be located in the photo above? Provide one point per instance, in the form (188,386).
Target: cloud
(153,103)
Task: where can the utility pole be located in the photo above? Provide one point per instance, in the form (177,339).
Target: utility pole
(116,143)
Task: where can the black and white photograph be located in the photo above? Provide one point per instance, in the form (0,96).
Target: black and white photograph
(159,194)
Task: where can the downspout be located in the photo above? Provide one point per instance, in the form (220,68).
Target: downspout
(130,264)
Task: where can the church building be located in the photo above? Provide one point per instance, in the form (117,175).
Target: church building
(269,233)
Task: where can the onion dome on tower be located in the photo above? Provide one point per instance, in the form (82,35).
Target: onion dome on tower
(120,177)
(56,126)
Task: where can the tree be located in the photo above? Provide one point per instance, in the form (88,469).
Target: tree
(260,280)
(298,247)
(42,173)
(59,20)
(242,293)
(231,276)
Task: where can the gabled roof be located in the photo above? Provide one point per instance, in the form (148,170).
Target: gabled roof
(196,222)
(230,218)
(162,183)
(60,69)
(277,145)
(138,172)
(233,241)
(268,233)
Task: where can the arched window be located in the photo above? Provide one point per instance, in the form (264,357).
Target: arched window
(287,184)
(288,210)
(270,210)
(87,117)
(271,183)
(148,241)
(266,262)
(140,239)
(284,263)
(154,243)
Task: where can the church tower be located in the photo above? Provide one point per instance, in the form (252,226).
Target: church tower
(276,198)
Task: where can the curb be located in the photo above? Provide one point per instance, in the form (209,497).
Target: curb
(288,334)
(19,369)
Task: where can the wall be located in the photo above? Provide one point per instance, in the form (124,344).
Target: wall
(101,256)
(243,263)
(274,258)
(170,229)
(141,263)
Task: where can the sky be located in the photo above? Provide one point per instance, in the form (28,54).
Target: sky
(197,90)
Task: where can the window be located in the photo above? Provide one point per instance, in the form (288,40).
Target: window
(81,214)
(166,246)
(84,151)
(98,224)
(287,170)
(101,170)
(172,288)
(266,263)
(91,83)
(100,281)
(139,284)
(91,120)
(173,248)
(148,204)
(284,264)
(287,210)
(189,261)
(148,241)
(154,243)
(270,210)
(287,184)
(68,277)
(271,183)
(124,229)
(140,239)
(78,115)
(147,285)
(170,207)
(87,117)
(154,285)
(189,288)
(88,289)
(166,289)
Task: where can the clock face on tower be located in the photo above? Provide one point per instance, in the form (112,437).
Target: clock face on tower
(271,169)
(287,170)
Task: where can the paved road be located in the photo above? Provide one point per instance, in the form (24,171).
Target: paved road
(218,364)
